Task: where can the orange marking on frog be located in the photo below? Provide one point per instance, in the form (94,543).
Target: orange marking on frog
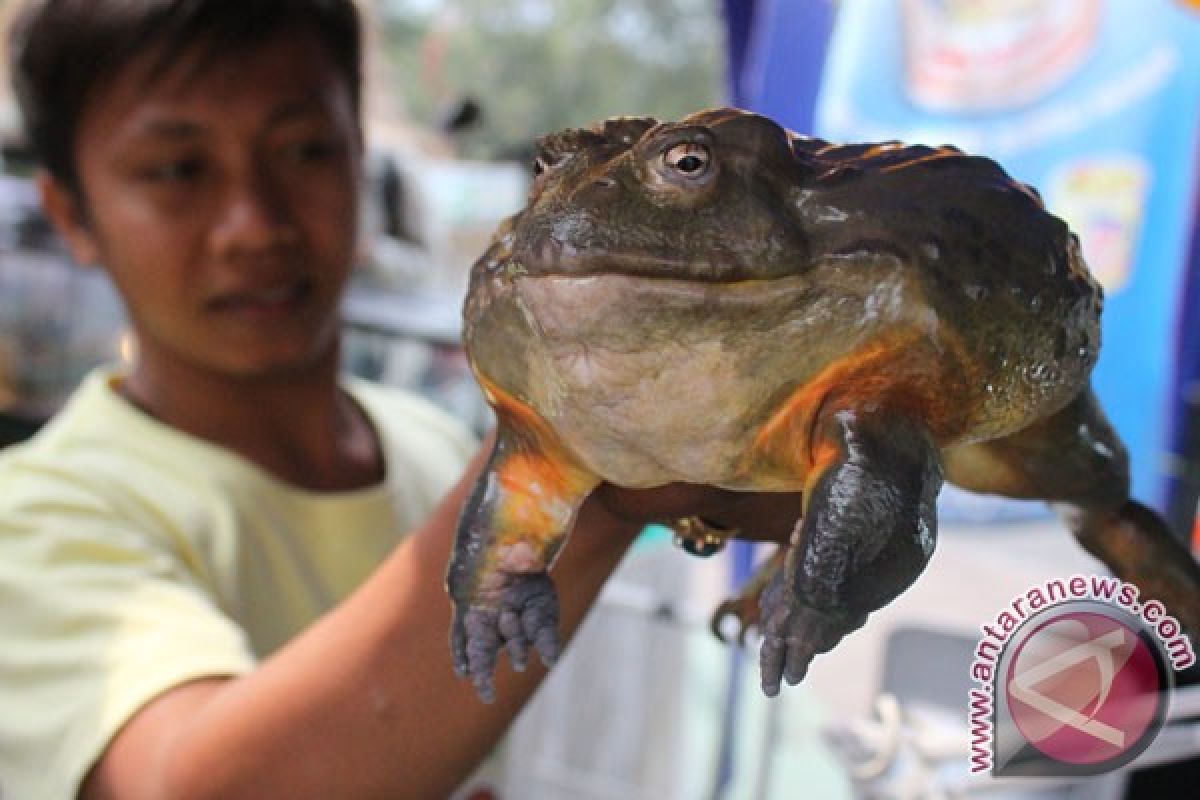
(785,437)
(936,155)
(540,483)
(536,492)
(877,373)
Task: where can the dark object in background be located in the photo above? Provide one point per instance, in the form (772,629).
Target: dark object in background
(1183,462)
(463,113)
(1182,466)
(393,203)
(1170,780)
(16,155)
(15,428)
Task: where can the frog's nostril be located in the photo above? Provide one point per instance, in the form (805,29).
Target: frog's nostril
(605,183)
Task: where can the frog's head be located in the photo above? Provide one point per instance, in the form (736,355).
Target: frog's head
(702,199)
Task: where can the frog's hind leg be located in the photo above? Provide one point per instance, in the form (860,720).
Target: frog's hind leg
(1075,461)
(510,531)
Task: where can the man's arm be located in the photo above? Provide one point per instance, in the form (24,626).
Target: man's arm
(364,703)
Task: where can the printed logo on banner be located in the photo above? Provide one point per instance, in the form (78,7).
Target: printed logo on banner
(967,55)
(1102,198)
(1073,678)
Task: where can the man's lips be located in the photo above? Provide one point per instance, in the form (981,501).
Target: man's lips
(275,298)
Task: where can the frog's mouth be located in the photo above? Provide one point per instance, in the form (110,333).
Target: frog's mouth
(592,306)
(550,257)
(651,269)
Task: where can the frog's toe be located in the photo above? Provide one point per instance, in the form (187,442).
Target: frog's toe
(511,632)
(521,612)
(531,618)
(784,658)
(474,643)
(793,633)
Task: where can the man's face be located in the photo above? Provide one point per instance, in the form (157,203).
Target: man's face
(223,202)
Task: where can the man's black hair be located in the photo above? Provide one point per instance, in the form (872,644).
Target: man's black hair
(61,50)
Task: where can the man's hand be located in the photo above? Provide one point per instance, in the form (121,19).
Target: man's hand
(760,516)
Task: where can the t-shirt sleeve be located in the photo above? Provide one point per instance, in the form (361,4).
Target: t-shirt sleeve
(97,617)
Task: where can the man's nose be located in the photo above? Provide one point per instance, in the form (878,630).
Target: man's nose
(255,215)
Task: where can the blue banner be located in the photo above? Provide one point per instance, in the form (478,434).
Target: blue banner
(1095,103)
(776,56)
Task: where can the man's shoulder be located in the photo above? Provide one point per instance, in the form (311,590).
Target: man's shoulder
(99,447)
(56,453)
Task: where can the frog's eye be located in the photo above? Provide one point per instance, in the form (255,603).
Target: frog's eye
(689,159)
(543,166)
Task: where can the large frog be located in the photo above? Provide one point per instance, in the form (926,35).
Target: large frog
(720,301)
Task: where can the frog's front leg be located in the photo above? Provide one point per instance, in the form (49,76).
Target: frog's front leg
(867,531)
(512,527)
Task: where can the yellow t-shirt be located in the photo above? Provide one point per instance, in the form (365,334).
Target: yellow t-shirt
(134,557)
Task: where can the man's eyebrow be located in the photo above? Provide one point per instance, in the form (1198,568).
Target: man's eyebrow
(168,128)
(172,127)
(300,109)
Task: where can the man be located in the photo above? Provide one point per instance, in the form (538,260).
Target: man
(221,569)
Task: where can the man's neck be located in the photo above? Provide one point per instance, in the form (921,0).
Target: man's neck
(302,427)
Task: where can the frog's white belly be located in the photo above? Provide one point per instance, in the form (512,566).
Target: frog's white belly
(649,382)
(679,420)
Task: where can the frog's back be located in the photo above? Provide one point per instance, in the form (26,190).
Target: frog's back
(1004,278)
(961,219)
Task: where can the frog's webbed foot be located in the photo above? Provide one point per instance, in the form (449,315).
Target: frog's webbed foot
(518,611)
(794,632)
(745,607)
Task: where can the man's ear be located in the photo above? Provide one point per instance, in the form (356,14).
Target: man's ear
(64,208)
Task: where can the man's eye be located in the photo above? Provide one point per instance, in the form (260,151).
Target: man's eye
(180,170)
(313,150)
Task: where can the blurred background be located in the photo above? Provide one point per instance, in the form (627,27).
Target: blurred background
(1095,102)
